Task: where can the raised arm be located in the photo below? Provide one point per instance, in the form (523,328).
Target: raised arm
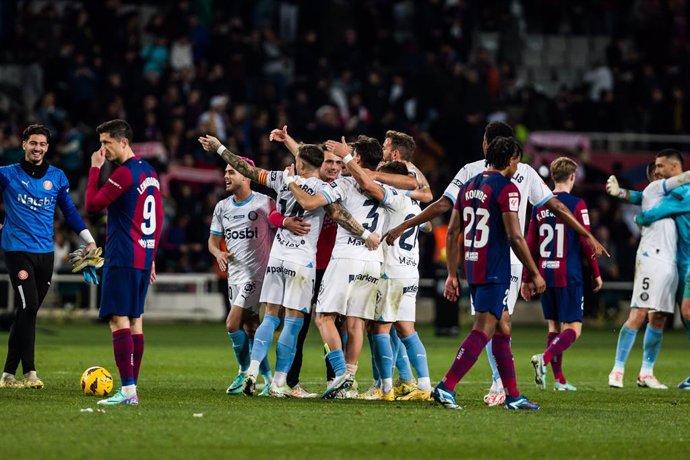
(423,193)
(452,288)
(118,183)
(342,216)
(615,190)
(211,144)
(562,212)
(368,185)
(281,135)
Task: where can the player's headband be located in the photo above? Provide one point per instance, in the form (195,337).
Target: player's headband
(248,160)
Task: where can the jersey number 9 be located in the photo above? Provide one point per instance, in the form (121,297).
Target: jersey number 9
(148,226)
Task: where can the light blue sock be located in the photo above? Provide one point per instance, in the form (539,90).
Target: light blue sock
(240,345)
(337,360)
(264,365)
(417,354)
(492,362)
(287,343)
(402,361)
(264,337)
(383,355)
(652,345)
(374,368)
(626,340)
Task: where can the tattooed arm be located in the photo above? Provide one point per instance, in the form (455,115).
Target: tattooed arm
(342,216)
(212,144)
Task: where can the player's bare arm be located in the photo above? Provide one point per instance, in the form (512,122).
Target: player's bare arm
(435,209)
(452,288)
(394,180)
(307,201)
(220,256)
(282,136)
(342,216)
(423,193)
(426,227)
(562,212)
(519,246)
(212,144)
(342,150)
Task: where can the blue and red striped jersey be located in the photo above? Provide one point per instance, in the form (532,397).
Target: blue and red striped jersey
(482,202)
(135,213)
(557,248)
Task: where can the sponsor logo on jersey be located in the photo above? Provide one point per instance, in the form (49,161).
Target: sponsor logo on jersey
(457,183)
(284,271)
(274,175)
(551,264)
(288,243)
(244,234)
(333,184)
(147,244)
(407,261)
(365,278)
(307,189)
(413,288)
(34,203)
(355,241)
(475,194)
(48,185)
(472,256)
(115,183)
(148,182)
(252,215)
(25,182)
(23,275)
(239,216)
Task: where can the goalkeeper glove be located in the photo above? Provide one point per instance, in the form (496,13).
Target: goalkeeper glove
(613,189)
(90,275)
(80,260)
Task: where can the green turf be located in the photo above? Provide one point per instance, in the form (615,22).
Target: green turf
(187,368)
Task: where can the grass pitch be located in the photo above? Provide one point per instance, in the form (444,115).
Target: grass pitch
(187,367)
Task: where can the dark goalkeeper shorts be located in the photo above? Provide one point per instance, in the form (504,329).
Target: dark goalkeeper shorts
(124,292)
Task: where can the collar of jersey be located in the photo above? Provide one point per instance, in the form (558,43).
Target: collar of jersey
(32,170)
(242,203)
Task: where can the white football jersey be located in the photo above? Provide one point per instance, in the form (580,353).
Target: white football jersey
(528,181)
(659,239)
(401,260)
(287,245)
(248,235)
(366,210)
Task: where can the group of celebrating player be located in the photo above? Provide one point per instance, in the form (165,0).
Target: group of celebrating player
(322,247)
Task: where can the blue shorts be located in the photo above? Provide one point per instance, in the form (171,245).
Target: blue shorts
(490,298)
(123,292)
(563,304)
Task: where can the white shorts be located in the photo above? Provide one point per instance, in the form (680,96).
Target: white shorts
(245,295)
(655,284)
(288,284)
(397,299)
(350,287)
(515,281)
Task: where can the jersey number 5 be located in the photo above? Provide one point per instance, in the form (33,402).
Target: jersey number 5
(148,226)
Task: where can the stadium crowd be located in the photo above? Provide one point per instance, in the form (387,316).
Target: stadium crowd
(177,70)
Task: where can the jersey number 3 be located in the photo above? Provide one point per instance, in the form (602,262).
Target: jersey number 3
(148,226)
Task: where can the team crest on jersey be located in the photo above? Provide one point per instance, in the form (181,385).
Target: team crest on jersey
(644,296)
(23,275)
(48,185)
(252,215)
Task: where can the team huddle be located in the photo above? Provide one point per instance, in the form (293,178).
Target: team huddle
(339,241)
